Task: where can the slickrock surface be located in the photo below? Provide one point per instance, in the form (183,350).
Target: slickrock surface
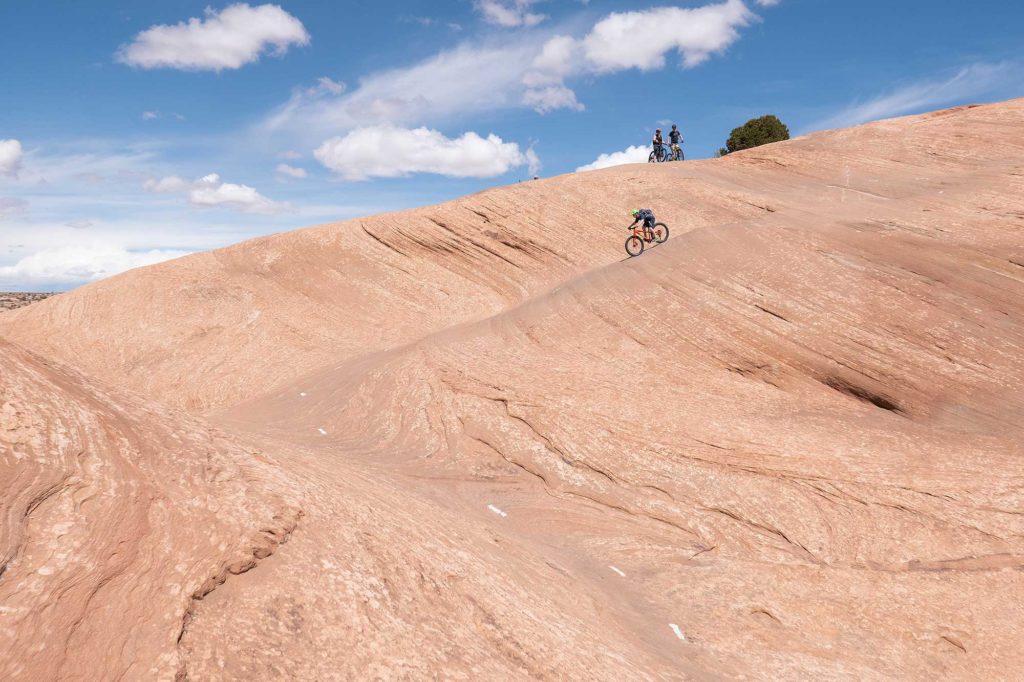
(787,443)
(117,515)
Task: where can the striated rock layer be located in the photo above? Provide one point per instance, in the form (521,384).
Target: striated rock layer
(785,444)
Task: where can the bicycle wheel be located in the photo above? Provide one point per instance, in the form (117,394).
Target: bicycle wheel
(652,158)
(660,233)
(634,245)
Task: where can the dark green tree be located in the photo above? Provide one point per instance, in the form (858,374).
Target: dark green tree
(756,132)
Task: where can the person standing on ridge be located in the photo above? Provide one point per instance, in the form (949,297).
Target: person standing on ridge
(676,138)
(659,144)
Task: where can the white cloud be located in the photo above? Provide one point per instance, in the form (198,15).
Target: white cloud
(513,71)
(154,115)
(634,154)
(210,191)
(228,39)
(10,206)
(509,13)
(166,185)
(551,98)
(78,264)
(974,80)
(627,40)
(388,151)
(10,157)
(767,3)
(324,86)
(290,171)
(558,59)
(455,83)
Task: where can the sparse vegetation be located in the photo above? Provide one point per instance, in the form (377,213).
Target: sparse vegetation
(12,300)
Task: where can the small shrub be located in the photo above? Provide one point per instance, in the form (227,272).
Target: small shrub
(756,132)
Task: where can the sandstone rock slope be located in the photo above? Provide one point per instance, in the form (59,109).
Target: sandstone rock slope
(786,444)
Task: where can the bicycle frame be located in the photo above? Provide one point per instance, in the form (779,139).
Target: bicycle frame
(638,232)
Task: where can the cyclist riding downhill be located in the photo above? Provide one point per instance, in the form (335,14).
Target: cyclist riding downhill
(676,138)
(646,215)
(652,231)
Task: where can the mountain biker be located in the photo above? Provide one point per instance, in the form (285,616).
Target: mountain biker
(676,138)
(658,143)
(646,215)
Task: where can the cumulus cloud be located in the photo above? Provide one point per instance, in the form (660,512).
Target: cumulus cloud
(387,151)
(696,34)
(634,154)
(228,39)
(974,80)
(210,191)
(69,265)
(509,13)
(290,171)
(10,157)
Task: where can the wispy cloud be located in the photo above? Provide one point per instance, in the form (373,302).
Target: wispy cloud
(285,170)
(1000,79)
(509,13)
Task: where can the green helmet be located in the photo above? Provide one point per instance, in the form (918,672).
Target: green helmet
(635,212)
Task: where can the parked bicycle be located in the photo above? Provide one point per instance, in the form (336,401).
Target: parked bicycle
(666,153)
(660,154)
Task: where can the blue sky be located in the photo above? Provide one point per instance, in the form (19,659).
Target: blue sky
(135,131)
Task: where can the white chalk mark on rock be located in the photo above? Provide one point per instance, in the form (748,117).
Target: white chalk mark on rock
(322,431)
(617,571)
(497,511)
(679,633)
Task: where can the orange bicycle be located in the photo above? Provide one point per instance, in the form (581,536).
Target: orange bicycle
(643,235)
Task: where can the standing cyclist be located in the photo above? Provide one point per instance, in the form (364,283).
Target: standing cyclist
(676,138)
(659,144)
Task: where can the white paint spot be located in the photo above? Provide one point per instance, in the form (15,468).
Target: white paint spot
(322,432)
(679,633)
(497,511)
(302,395)
(617,571)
